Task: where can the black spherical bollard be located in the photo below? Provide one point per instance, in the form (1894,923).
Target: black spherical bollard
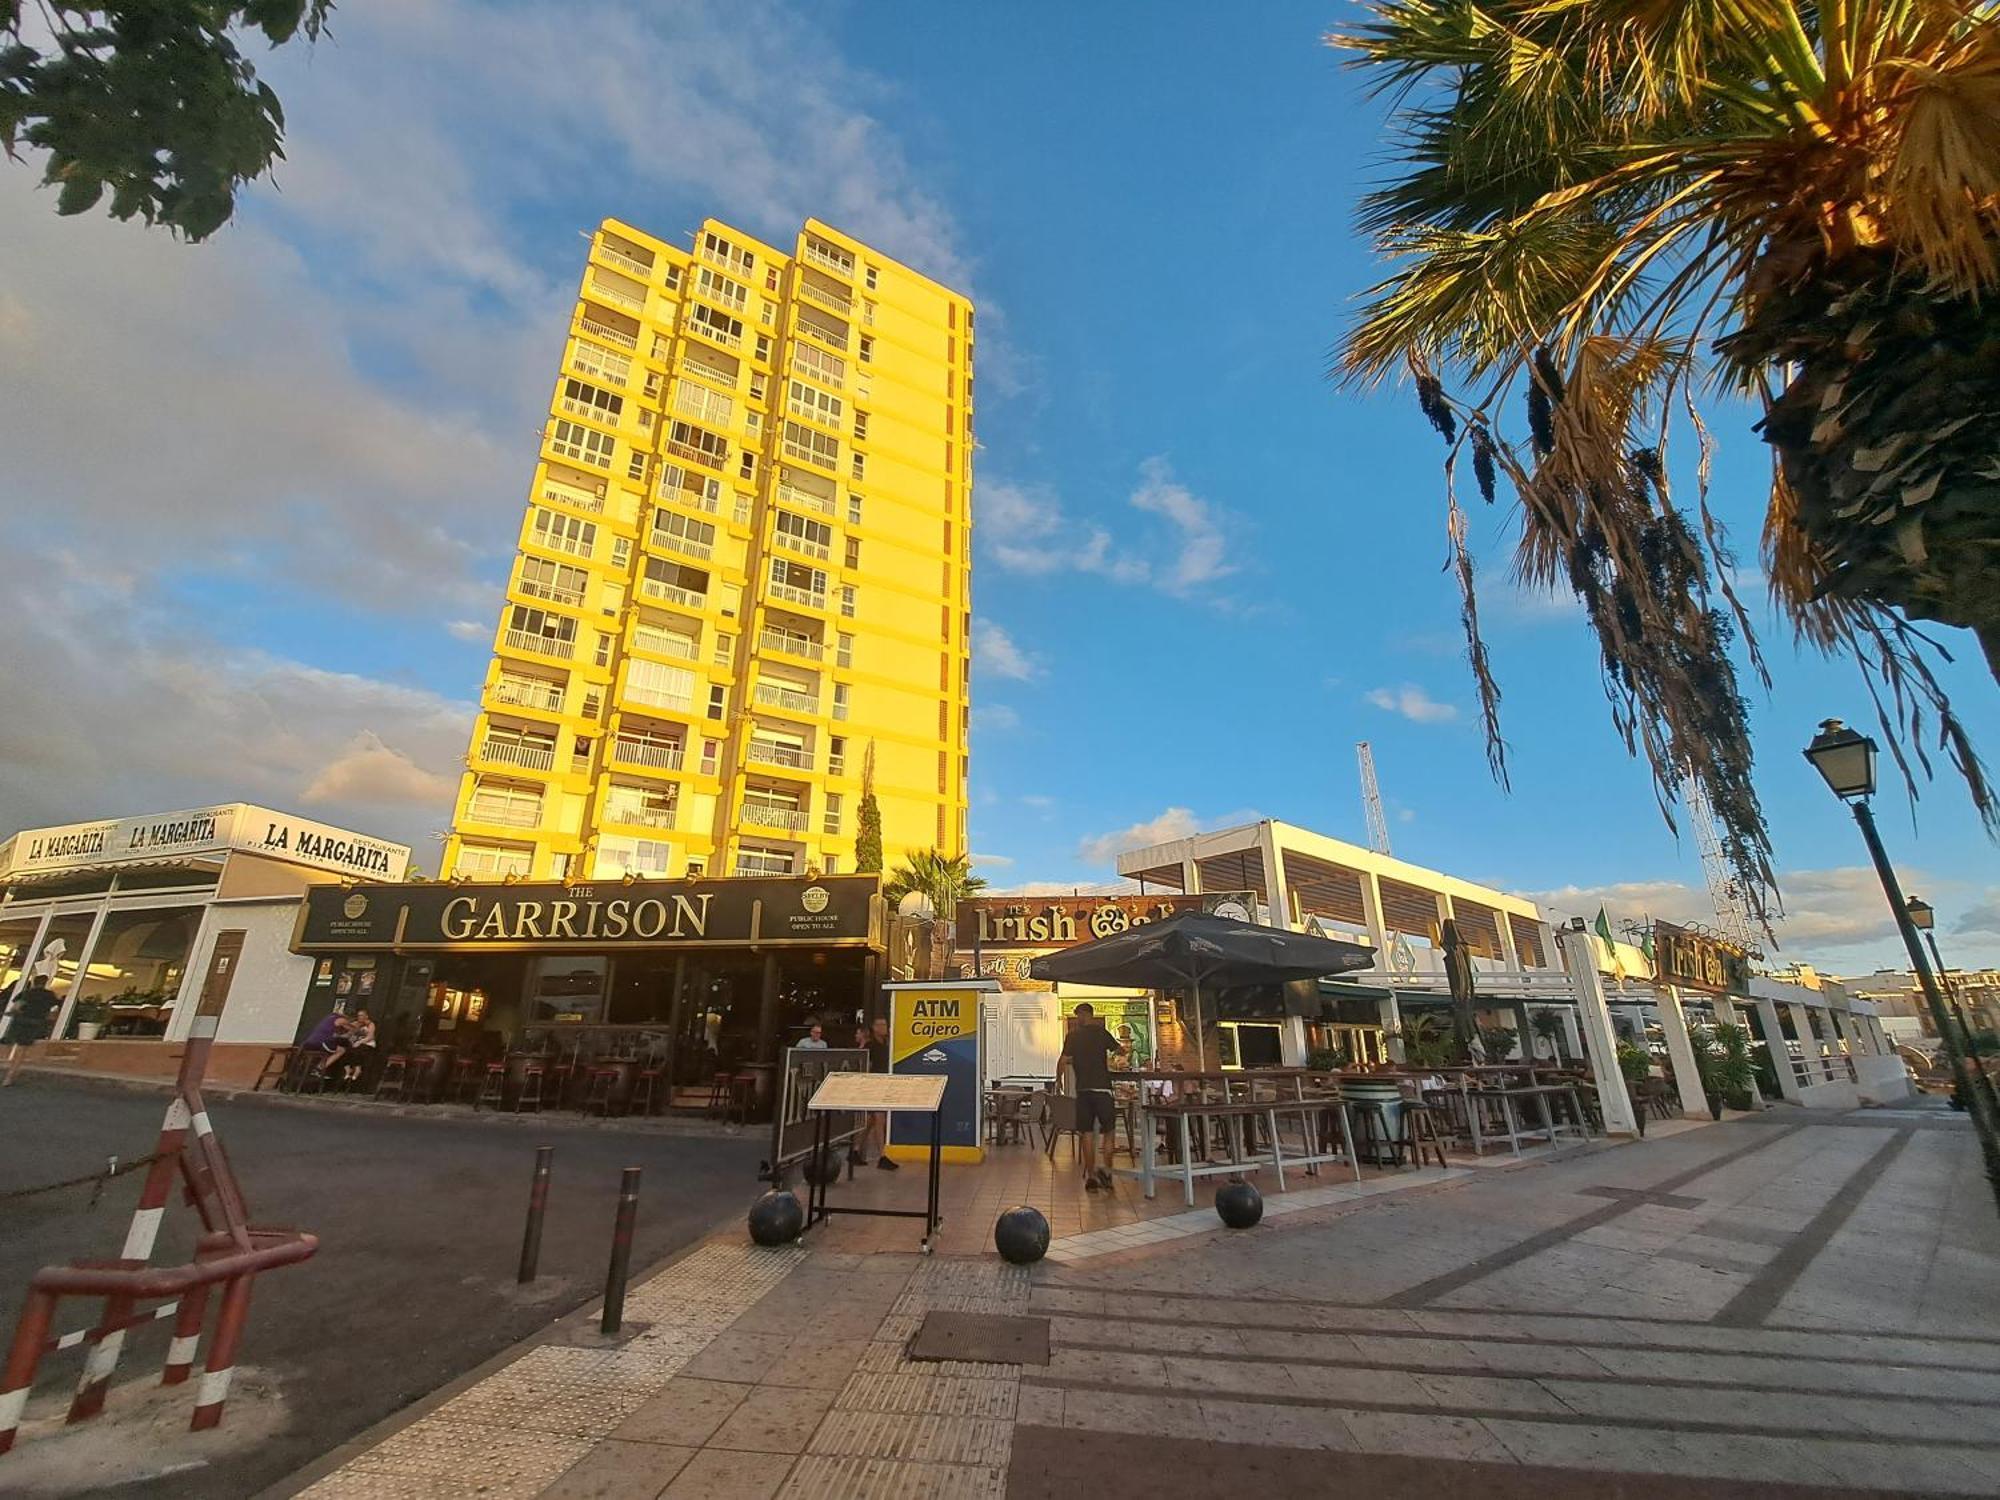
(776,1219)
(1239,1205)
(822,1170)
(1021,1235)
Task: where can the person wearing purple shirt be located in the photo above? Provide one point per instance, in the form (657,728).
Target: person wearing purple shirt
(325,1038)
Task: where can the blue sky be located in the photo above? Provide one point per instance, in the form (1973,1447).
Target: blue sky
(269,483)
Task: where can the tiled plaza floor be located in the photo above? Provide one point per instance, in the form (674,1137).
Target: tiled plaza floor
(1776,1311)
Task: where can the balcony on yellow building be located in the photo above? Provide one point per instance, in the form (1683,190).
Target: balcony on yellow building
(690,538)
(759,812)
(651,750)
(816,288)
(828,330)
(520,745)
(794,583)
(674,583)
(768,752)
(590,500)
(612,327)
(787,639)
(623,254)
(808,491)
(539,643)
(640,805)
(518,690)
(506,804)
(785,699)
(662,640)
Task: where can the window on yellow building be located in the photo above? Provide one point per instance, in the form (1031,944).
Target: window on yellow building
(586,444)
(853,552)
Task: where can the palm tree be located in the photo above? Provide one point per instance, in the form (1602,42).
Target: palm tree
(1600,207)
(945,878)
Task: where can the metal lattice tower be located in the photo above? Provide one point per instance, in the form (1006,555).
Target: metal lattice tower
(1371,800)
(1732,913)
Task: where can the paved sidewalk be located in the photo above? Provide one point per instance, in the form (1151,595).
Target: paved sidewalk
(1777,1311)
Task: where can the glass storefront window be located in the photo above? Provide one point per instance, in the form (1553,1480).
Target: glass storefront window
(566,987)
(15,935)
(136,970)
(70,931)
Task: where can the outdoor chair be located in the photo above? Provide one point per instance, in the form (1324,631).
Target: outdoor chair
(466,1074)
(1058,1117)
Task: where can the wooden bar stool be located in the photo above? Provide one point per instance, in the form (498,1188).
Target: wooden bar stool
(494,1090)
(1420,1134)
(718,1096)
(598,1095)
(465,1078)
(531,1088)
(1372,1141)
(394,1081)
(645,1090)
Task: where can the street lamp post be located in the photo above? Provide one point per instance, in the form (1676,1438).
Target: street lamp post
(1923,917)
(1845,760)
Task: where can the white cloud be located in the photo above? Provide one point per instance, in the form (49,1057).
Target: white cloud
(997,717)
(1983,916)
(1038,801)
(1103,848)
(1028,529)
(370,771)
(1825,910)
(1413,703)
(119,706)
(469,630)
(343,386)
(992,861)
(1069,888)
(993,650)
(1199,557)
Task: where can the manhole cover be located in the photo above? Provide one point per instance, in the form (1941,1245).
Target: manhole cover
(982,1338)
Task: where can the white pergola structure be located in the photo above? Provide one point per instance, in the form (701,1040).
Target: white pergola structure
(1305,881)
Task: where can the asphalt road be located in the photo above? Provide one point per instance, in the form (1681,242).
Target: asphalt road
(420,1229)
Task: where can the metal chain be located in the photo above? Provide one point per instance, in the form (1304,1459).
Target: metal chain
(113,1167)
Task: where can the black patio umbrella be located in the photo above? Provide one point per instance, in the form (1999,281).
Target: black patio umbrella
(1458,978)
(1195,948)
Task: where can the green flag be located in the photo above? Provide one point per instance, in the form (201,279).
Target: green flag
(1610,942)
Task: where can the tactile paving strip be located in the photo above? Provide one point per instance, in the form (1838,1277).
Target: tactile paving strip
(822,1478)
(536,1417)
(915,1394)
(975,1441)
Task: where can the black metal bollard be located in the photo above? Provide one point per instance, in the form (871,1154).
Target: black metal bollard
(538,1206)
(621,1251)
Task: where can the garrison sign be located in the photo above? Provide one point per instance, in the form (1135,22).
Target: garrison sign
(934,1030)
(590,916)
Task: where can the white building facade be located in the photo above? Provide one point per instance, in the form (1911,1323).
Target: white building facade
(128,919)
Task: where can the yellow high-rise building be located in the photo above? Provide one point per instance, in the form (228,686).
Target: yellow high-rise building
(744,572)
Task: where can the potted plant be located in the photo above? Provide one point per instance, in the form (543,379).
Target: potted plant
(1734,1074)
(89,1019)
(1707,1061)
(1636,1063)
(1497,1041)
(1548,1026)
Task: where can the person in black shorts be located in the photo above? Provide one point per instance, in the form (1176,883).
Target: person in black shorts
(1088,1049)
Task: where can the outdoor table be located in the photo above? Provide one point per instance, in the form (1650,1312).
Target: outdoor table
(1539,1093)
(1229,1119)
